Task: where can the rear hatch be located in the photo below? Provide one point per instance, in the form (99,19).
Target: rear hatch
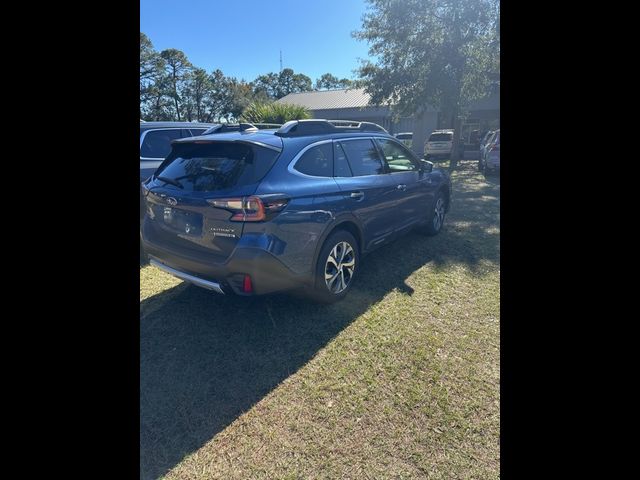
(181,197)
(440,142)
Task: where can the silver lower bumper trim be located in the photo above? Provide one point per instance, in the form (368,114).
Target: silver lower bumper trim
(200,282)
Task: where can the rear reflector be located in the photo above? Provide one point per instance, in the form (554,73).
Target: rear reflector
(247,286)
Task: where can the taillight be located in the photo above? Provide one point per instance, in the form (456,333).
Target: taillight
(249,209)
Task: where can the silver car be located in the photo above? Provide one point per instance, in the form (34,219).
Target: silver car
(490,153)
(156,138)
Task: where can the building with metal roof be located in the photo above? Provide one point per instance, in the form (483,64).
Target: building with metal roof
(353,104)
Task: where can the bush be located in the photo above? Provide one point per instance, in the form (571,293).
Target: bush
(274,113)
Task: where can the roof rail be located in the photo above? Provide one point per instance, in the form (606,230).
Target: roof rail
(230,127)
(299,128)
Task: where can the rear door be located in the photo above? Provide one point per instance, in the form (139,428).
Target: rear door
(368,191)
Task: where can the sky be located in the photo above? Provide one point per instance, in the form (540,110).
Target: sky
(244,38)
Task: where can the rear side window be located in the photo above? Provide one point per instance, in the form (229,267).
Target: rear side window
(398,158)
(216,166)
(197,131)
(441,137)
(317,161)
(157,143)
(363,157)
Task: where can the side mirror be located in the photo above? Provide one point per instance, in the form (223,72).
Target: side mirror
(427,166)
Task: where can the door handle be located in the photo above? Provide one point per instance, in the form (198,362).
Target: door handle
(357,195)
(402,187)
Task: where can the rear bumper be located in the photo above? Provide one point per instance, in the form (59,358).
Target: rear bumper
(268,274)
(209,285)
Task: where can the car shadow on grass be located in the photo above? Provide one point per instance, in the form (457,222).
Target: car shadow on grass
(205,358)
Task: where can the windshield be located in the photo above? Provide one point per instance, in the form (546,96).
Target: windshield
(215,166)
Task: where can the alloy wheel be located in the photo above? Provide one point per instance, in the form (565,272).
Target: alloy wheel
(339,268)
(438,216)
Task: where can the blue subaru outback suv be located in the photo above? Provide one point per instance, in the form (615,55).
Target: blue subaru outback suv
(255,212)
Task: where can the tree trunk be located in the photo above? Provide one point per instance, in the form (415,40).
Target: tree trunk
(456,124)
(419,135)
(175,100)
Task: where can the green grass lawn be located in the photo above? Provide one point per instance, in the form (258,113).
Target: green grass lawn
(400,380)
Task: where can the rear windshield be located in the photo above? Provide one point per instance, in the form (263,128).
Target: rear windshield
(216,166)
(441,137)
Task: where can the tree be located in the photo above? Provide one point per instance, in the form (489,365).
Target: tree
(274,86)
(239,96)
(274,112)
(290,82)
(158,104)
(215,98)
(430,52)
(267,85)
(151,70)
(198,86)
(178,69)
(330,82)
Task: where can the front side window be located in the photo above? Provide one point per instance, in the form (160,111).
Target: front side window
(363,157)
(398,158)
(317,161)
(157,143)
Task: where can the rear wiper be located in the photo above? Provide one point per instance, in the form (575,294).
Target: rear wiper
(170,181)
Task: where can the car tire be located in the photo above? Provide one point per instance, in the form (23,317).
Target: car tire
(436,217)
(333,281)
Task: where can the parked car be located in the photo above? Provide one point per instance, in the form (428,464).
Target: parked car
(406,138)
(490,155)
(439,145)
(156,138)
(256,212)
(483,145)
